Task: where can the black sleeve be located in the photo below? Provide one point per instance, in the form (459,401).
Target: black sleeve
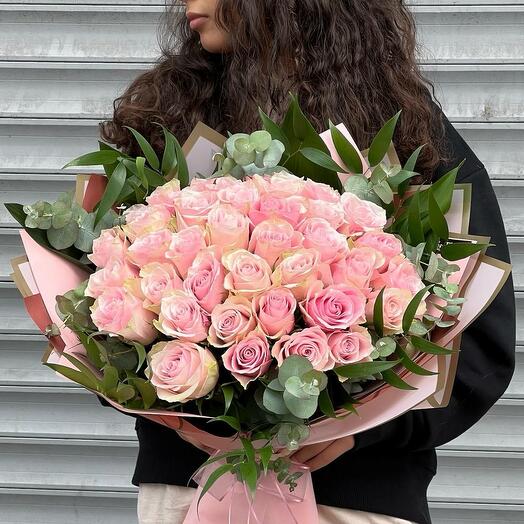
(487,356)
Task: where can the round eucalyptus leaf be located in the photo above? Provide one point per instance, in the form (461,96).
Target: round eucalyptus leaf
(296,387)
(317,378)
(230,142)
(64,237)
(273,402)
(301,408)
(273,155)
(293,366)
(261,140)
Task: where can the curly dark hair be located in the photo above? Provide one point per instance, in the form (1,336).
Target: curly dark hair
(351,61)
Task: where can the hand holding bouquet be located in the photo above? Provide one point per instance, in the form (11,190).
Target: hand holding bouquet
(299,291)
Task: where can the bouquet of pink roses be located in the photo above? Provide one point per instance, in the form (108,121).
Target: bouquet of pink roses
(282,282)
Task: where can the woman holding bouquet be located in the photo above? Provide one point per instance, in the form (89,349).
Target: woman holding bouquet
(350,61)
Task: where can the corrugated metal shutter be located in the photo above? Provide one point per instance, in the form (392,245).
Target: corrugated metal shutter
(63,459)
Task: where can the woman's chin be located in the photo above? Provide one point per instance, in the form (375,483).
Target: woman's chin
(214,41)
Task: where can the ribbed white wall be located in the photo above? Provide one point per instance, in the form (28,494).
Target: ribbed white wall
(66,460)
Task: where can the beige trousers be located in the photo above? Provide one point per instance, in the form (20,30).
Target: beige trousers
(165,504)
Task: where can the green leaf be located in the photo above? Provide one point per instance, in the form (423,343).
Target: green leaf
(326,405)
(96,158)
(74,375)
(412,366)
(120,355)
(411,310)
(346,151)
(113,189)
(378,313)
(380,144)
(358,185)
(401,177)
(412,160)
(248,448)
(146,148)
(427,346)
(293,366)
(215,475)
(416,232)
(63,238)
(249,474)
(275,385)
(228,392)
(230,421)
(146,389)
(460,250)
(110,380)
(141,351)
(300,407)
(265,454)
(182,168)
(321,159)
(271,127)
(92,349)
(140,162)
(443,188)
(153,178)
(394,380)
(169,161)
(384,192)
(365,369)
(437,220)
(123,393)
(273,402)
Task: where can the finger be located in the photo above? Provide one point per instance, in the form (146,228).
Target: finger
(308,452)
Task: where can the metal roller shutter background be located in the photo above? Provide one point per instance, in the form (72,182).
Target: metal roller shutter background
(63,459)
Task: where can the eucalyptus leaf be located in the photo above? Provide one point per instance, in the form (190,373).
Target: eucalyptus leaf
(358,185)
(293,366)
(273,401)
(64,237)
(300,407)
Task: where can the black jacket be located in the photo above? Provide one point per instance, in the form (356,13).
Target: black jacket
(391,466)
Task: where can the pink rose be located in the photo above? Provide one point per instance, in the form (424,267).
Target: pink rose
(395,303)
(142,219)
(297,271)
(228,228)
(204,184)
(114,274)
(401,273)
(283,184)
(193,207)
(111,243)
(205,279)
(151,247)
(348,347)
(248,274)
(318,191)
(332,212)
(311,343)
(275,311)
(119,312)
(293,209)
(158,279)
(358,268)
(318,234)
(271,237)
(389,245)
(165,195)
(334,307)
(241,195)
(181,371)
(249,359)
(181,317)
(361,215)
(184,247)
(231,322)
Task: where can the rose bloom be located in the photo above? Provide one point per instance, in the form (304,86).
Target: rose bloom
(318,191)
(293,209)
(283,184)
(249,359)
(358,268)
(228,228)
(231,322)
(271,237)
(181,371)
(248,274)
(165,195)
(204,184)
(181,317)
(389,245)
(114,274)
(297,271)
(311,343)
(318,234)
(119,312)
(184,247)
(111,243)
(275,311)
(332,212)
(334,307)
(395,303)
(158,279)
(241,195)
(142,219)
(348,347)
(361,215)
(205,279)
(151,247)
(193,207)
(401,273)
